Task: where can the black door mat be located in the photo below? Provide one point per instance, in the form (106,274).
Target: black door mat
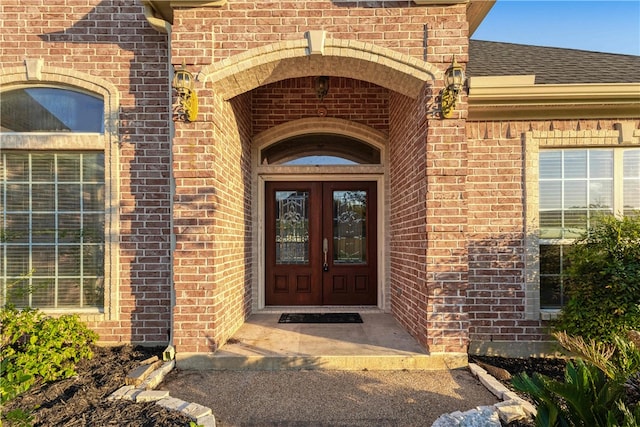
(320,318)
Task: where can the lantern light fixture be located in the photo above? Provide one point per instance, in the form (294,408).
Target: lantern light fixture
(454,81)
(322,86)
(186,109)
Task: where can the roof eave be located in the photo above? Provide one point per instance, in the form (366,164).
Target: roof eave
(558,101)
(164,8)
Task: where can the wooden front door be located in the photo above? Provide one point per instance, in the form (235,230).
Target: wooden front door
(321,245)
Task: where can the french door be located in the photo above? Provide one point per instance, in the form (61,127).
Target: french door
(321,245)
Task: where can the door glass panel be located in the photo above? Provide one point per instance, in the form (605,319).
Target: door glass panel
(292,227)
(349,227)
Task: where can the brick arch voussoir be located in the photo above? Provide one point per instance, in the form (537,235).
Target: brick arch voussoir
(341,58)
(314,125)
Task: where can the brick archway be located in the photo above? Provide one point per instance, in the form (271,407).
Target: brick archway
(315,54)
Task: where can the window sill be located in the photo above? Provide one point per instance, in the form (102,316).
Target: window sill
(549,313)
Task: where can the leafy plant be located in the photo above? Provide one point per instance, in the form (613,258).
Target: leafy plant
(593,391)
(603,281)
(35,348)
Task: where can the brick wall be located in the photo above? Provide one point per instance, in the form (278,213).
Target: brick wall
(497,228)
(212,223)
(293,99)
(110,40)
(206,35)
(202,37)
(407,172)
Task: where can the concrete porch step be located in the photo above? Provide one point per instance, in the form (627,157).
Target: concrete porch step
(379,343)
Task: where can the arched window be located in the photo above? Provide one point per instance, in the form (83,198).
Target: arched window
(321,149)
(48,109)
(52,198)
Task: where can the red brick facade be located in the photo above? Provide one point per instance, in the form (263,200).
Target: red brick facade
(185,199)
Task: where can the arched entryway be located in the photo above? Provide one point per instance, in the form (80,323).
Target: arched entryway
(320,186)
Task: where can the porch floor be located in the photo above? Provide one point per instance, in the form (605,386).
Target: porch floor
(379,343)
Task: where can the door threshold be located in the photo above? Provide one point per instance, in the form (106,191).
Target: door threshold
(372,309)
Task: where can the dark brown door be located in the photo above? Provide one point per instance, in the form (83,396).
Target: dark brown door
(321,243)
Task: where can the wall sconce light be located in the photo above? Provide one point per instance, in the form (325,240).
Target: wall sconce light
(183,82)
(322,86)
(454,81)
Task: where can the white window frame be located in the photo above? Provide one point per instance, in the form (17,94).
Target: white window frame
(536,141)
(35,74)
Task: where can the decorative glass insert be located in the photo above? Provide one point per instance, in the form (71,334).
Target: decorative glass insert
(349,227)
(292,227)
(46,109)
(575,186)
(631,182)
(52,210)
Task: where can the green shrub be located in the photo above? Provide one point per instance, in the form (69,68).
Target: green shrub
(593,391)
(603,281)
(35,348)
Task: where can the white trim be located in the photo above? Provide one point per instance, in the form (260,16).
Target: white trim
(13,78)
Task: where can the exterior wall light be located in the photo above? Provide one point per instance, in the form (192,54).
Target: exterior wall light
(454,81)
(322,86)
(187,108)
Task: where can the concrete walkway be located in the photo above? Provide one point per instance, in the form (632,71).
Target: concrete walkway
(369,374)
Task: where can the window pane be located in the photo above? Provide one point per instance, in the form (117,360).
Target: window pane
(69,260)
(17,167)
(551,195)
(631,185)
(575,194)
(601,164)
(550,164)
(55,232)
(69,197)
(68,168)
(17,261)
(93,197)
(17,228)
(43,167)
(93,292)
(44,228)
(349,227)
(69,228)
(17,197)
(575,164)
(551,224)
(42,109)
(550,292)
(550,259)
(292,227)
(601,194)
(93,167)
(631,196)
(43,197)
(69,292)
(575,223)
(43,293)
(43,260)
(631,168)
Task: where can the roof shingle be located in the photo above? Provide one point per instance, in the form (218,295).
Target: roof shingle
(551,65)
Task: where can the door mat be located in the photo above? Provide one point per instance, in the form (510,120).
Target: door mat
(320,318)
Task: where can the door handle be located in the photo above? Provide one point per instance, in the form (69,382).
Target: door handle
(325,249)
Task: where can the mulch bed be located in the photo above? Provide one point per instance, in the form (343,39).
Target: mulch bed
(82,400)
